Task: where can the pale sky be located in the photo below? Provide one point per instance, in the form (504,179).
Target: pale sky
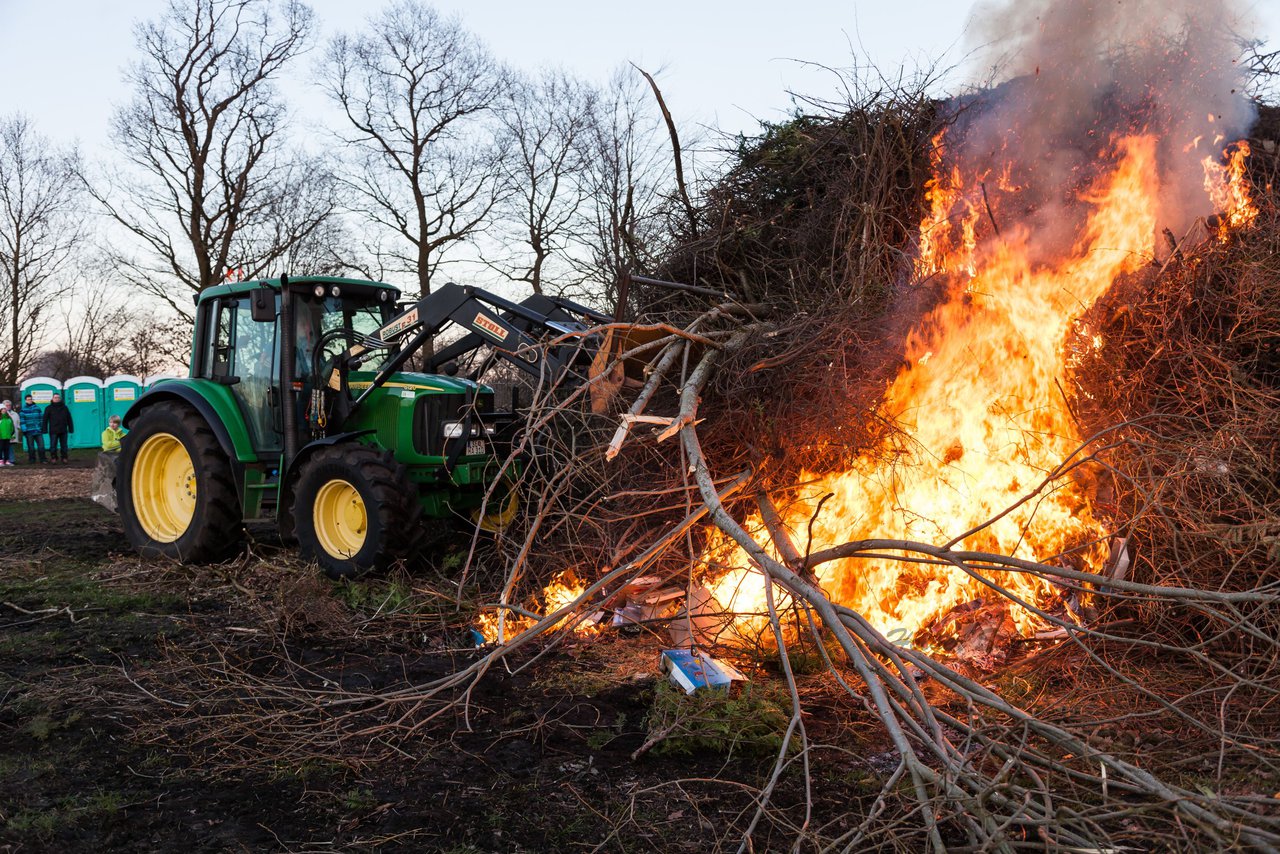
(724,64)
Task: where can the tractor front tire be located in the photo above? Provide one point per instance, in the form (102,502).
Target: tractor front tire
(175,489)
(355,510)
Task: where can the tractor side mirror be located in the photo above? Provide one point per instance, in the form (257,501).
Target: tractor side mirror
(262,305)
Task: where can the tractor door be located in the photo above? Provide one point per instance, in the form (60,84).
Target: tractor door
(245,354)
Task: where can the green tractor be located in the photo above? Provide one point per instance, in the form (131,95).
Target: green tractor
(298,409)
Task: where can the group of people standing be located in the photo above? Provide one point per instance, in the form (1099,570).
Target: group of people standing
(31,423)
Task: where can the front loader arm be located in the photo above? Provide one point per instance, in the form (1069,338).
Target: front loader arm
(511,329)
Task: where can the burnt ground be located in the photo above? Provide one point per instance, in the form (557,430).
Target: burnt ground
(252,706)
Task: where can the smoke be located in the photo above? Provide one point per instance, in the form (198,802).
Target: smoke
(1079,72)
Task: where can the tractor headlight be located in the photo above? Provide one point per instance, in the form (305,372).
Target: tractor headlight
(453,430)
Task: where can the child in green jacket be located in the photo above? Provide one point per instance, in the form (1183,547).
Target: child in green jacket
(112,435)
(7,431)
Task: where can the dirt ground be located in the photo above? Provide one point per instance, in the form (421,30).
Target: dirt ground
(255,706)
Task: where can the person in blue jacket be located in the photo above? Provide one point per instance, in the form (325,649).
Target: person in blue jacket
(30,417)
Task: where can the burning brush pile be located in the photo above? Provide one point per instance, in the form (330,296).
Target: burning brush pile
(993,383)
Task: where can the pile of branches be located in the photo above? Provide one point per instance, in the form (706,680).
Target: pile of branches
(1151,722)
(1185,393)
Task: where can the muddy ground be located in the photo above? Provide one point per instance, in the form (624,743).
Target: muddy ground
(254,706)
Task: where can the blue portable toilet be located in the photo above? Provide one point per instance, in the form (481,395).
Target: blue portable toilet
(118,394)
(41,389)
(83,396)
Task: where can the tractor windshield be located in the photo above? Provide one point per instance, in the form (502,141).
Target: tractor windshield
(327,326)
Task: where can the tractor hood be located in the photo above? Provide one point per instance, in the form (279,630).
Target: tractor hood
(417,383)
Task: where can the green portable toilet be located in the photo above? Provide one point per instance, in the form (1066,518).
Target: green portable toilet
(42,389)
(83,396)
(119,392)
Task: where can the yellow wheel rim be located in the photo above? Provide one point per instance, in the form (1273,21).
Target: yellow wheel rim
(340,519)
(496,521)
(164,487)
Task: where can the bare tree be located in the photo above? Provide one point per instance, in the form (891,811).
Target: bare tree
(299,228)
(1263,66)
(626,179)
(105,331)
(204,135)
(40,228)
(416,88)
(547,123)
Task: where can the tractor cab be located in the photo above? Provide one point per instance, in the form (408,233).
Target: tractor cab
(239,343)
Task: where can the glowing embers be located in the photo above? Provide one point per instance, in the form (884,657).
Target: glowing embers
(564,589)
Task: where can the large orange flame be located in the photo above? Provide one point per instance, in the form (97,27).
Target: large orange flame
(982,400)
(982,405)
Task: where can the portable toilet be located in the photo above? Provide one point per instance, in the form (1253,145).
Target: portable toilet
(83,396)
(119,392)
(41,389)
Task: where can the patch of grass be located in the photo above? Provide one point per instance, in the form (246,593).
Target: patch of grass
(379,596)
(67,812)
(12,766)
(21,644)
(751,720)
(71,584)
(858,782)
(360,799)
(598,739)
(452,561)
(309,771)
(43,725)
(156,762)
(575,681)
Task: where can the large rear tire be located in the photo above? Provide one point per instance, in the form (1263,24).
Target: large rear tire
(174,487)
(356,510)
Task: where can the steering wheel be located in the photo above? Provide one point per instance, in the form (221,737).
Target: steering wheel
(328,350)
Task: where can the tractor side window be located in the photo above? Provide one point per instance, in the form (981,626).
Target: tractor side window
(220,363)
(253,356)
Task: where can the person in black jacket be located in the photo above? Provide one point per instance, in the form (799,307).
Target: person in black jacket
(57,423)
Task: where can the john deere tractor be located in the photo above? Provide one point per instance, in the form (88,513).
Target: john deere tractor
(298,409)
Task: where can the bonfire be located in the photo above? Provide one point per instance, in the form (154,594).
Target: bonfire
(1035,471)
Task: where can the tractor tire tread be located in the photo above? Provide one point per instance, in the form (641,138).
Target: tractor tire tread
(394,496)
(220,531)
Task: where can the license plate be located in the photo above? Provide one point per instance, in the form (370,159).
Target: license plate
(475,447)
